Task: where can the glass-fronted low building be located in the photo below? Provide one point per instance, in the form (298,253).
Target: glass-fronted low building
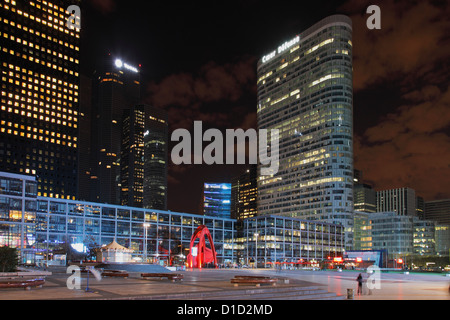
(399,235)
(42,228)
(168,233)
(267,240)
(18,199)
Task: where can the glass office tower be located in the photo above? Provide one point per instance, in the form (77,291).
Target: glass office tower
(305,89)
(156,150)
(244,193)
(39,61)
(116,88)
(132,157)
(144,157)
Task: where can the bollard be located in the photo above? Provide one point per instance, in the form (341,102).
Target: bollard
(350,294)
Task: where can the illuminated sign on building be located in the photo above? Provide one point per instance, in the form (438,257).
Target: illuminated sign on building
(120,64)
(281,49)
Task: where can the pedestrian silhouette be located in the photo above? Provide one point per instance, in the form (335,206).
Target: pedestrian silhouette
(360,282)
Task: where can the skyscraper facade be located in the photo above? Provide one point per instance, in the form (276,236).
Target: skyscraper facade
(438,210)
(365,198)
(400,200)
(144,156)
(132,157)
(305,89)
(116,88)
(244,193)
(39,61)
(156,150)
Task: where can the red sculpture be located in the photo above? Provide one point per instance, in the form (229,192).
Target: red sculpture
(204,254)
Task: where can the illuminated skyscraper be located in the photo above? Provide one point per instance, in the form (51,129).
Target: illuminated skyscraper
(244,192)
(144,156)
(156,150)
(305,89)
(132,157)
(39,61)
(116,89)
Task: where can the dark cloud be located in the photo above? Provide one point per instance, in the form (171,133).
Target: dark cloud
(219,96)
(413,41)
(410,144)
(410,147)
(104,6)
(209,95)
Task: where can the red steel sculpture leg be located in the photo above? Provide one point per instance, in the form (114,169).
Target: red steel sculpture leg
(204,254)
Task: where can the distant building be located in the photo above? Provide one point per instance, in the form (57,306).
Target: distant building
(116,88)
(442,237)
(144,156)
(398,235)
(244,192)
(438,210)
(217,200)
(365,198)
(132,157)
(420,207)
(392,232)
(401,200)
(156,150)
(84,138)
(362,231)
(424,237)
(357,176)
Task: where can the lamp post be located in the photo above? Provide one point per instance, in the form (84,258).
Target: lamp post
(146,225)
(256,255)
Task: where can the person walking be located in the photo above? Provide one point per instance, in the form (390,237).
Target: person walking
(360,282)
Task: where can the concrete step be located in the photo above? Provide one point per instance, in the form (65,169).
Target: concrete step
(262,295)
(285,293)
(250,293)
(314,296)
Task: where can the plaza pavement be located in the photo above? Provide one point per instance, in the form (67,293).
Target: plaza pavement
(393,286)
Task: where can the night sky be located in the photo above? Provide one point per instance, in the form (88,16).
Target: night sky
(199,63)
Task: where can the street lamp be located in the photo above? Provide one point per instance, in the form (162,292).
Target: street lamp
(256,255)
(146,225)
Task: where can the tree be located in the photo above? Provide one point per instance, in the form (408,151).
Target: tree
(8,259)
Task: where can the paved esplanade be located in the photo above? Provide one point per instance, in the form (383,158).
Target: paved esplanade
(393,286)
